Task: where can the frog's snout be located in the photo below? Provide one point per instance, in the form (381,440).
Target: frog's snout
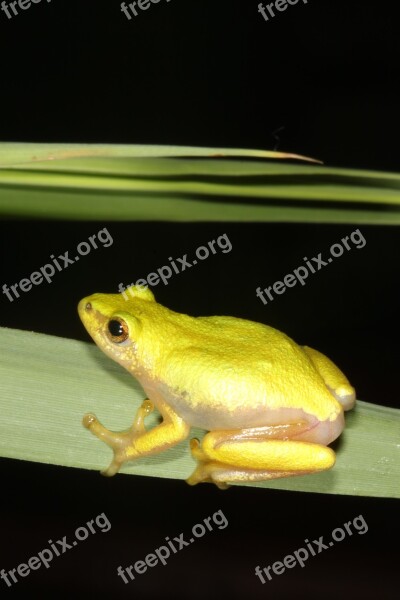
(84,306)
(86,311)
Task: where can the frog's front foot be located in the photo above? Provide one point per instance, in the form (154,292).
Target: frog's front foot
(122,443)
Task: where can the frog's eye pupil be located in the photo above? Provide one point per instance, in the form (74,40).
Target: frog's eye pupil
(115,328)
(118,330)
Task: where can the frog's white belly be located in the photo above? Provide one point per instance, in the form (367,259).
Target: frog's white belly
(219,417)
(321,432)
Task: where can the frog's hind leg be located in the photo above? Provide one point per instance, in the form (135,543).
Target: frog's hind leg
(237,456)
(334,379)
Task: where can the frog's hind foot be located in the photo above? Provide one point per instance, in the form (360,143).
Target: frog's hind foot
(206,469)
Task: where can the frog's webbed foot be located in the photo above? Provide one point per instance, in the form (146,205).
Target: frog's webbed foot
(122,443)
(205,469)
(213,471)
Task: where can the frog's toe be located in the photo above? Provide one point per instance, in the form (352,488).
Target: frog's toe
(113,468)
(196,450)
(122,444)
(204,474)
(88,420)
(143,411)
(109,437)
(205,471)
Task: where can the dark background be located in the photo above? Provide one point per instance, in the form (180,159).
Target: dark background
(215,74)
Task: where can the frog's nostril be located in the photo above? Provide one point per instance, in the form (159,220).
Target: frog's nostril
(88,306)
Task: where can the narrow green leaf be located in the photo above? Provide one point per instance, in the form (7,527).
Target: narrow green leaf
(12,153)
(49,383)
(139,183)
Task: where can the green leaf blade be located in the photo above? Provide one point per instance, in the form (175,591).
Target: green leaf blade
(183,184)
(49,383)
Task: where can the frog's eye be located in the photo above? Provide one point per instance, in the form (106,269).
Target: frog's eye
(118,331)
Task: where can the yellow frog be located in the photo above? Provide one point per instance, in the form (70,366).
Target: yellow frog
(270,407)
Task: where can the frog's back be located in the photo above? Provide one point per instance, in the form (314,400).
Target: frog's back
(226,366)
(239,337)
